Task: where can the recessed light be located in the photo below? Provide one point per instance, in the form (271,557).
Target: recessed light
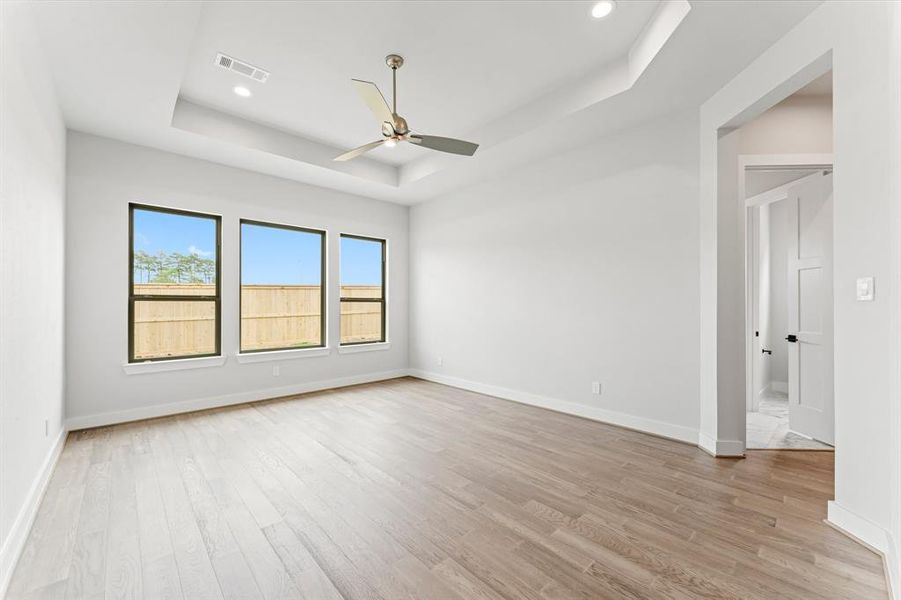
(603,8)
(242,91)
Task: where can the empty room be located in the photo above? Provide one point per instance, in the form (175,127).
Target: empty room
(450,300)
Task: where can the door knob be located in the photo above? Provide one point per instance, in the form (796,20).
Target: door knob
(765,351)
(792,338)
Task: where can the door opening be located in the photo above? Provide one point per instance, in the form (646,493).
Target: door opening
(790,396)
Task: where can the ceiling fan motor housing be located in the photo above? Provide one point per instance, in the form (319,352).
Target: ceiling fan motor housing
(400,125)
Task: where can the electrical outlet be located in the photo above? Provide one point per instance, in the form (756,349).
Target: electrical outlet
(275,371)
(596,387)
(440,361)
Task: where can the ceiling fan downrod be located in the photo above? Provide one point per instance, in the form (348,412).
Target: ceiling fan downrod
(394,61)
(399,126)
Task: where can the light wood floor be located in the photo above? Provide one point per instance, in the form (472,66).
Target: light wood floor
(408,489)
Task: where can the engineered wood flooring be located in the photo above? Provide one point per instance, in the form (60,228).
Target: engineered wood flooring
(409,489)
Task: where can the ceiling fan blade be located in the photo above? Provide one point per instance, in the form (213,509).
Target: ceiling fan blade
(444,144)
(373,98)
(358,151)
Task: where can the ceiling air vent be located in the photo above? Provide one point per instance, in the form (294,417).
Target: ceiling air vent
(242,68)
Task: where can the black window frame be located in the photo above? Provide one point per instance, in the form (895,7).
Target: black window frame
(133,298)
(323,342)
(382,300)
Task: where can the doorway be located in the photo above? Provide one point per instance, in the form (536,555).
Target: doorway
(790,400)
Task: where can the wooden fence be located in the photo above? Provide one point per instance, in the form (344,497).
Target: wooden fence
(272,316)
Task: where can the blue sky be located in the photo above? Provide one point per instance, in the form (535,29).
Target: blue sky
(155,231)
(361,262)
(279,256)
(269,255)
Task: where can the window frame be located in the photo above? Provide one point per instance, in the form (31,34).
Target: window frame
(323,277)
(133,298)
(383,300)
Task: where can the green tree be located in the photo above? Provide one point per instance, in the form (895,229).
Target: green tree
(175,267)
(141,267)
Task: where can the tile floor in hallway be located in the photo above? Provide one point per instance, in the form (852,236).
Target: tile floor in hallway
(768,428)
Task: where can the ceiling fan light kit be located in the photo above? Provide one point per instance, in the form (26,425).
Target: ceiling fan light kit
(394,127)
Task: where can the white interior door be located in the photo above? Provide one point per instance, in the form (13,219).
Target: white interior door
(811,409)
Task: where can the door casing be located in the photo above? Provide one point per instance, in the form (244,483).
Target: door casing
(751,162)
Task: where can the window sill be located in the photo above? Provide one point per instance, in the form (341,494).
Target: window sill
(178,364)
(371,347)
(270,355)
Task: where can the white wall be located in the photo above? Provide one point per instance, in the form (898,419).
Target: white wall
(860,41)
(797,125)
(580,268)
(729,360)
(32,213)
(778,298)
(103,177)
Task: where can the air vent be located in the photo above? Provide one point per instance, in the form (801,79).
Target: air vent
(242,68)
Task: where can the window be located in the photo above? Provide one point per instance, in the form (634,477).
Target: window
(362,290)
(173,284)
(282,300)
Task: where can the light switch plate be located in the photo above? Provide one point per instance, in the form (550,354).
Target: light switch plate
(865,289)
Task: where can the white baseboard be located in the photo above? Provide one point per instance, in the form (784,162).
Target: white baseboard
(892,559)
(174,408)
(667,430)
(858,527)
(18,533)
(871,535)
(721,448)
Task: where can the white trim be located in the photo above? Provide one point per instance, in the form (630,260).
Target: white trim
(354,348)
(892,560)
(21,527)
(721,448)
(271,355)
(767,162)
(174,408)
(707,443)
(861,529)
(178,364)
(779,192)
(643,424)
(871,535)
(752,162)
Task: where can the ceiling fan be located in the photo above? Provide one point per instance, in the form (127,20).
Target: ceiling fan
(394,126)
